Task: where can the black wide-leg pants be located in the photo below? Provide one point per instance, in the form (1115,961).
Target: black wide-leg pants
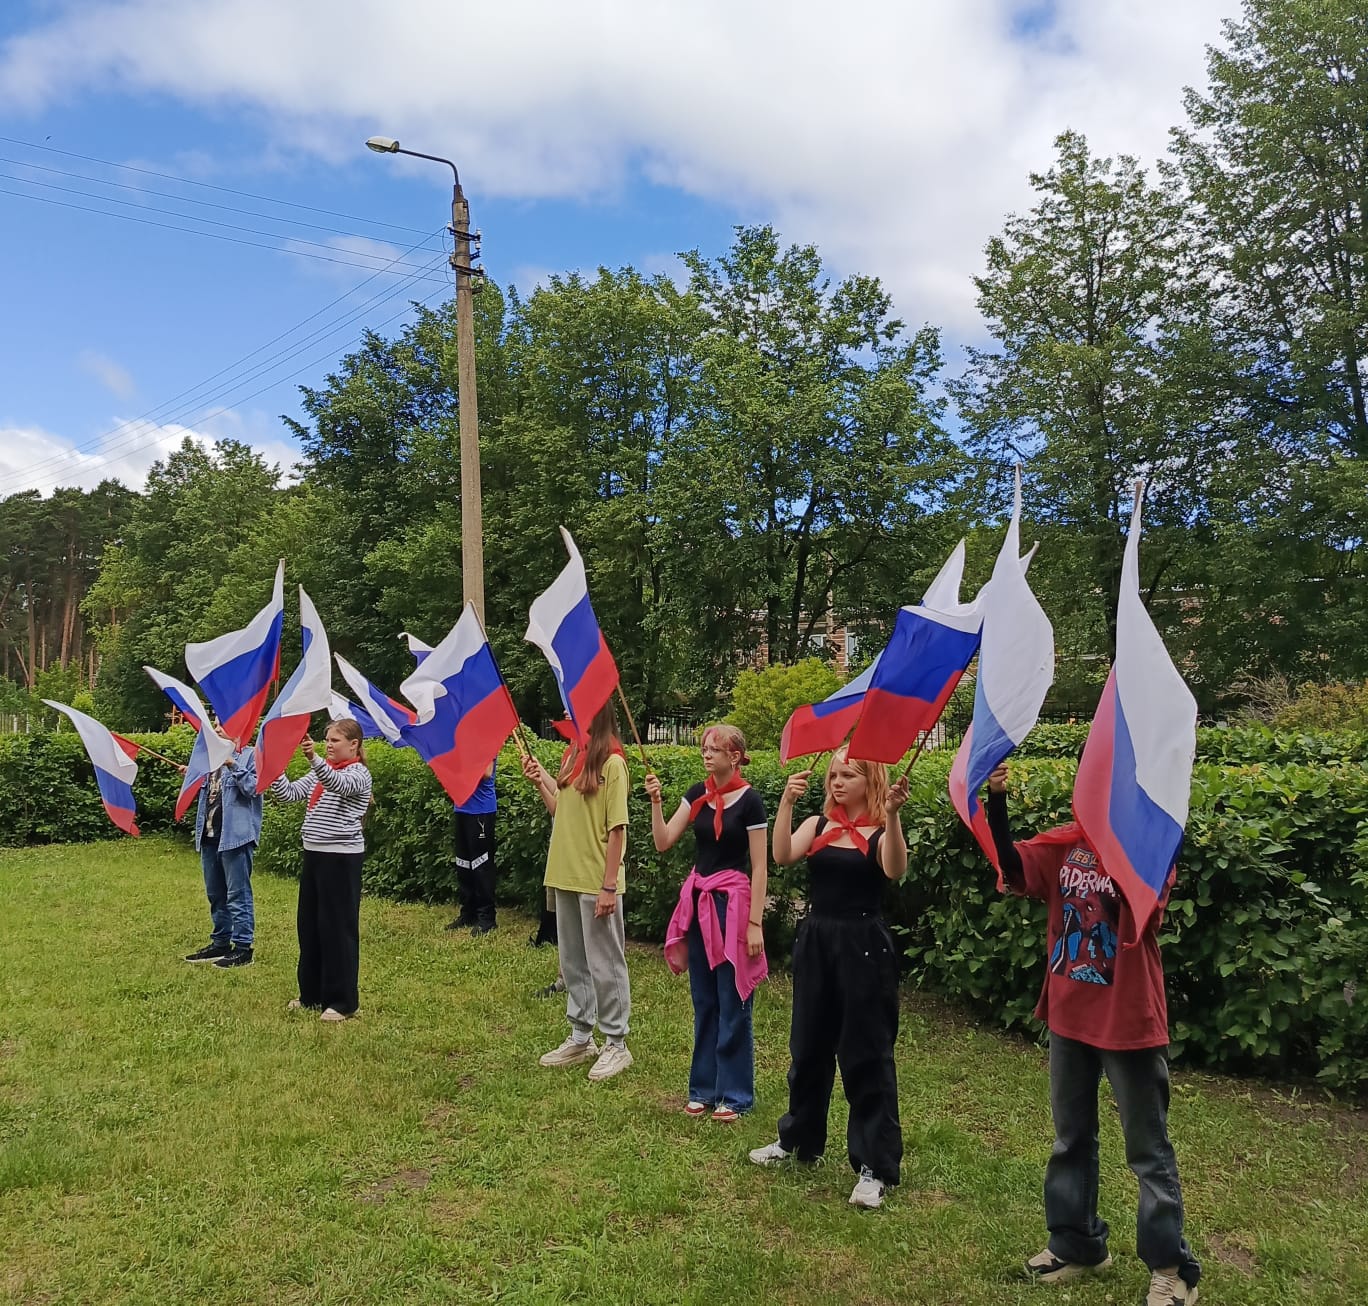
(328,921)
(845,1013)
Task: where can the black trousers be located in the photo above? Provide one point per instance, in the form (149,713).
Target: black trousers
(845,1013)
(474,838)
(1140,1083)
(328,921)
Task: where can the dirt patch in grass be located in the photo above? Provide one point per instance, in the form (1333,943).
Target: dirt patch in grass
(1229,1252)
(8,1048)
(400,1181)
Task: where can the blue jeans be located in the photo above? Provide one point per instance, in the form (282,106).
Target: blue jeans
(228,885)
(723,1068)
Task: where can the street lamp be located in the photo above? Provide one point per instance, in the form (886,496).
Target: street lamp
(472,520)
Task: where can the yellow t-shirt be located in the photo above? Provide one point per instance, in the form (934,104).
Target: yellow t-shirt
(579,834)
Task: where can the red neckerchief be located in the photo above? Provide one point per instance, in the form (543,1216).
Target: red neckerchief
(318,784)
(615,751)
(839,823)
(713,794)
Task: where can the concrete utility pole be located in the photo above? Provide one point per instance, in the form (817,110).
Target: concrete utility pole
(472,514)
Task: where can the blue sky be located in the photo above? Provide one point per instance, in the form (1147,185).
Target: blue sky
(896,141)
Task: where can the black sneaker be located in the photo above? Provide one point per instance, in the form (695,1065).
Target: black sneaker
(462,922)
(212,953)
(481,927)
(237,957)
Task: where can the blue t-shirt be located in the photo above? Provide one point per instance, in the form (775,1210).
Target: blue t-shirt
(481,802)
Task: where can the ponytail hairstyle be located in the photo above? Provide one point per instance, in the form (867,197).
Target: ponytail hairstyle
(728,737)
(603,743)
(876,786)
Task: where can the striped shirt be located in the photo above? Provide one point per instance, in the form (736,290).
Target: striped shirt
(333,823)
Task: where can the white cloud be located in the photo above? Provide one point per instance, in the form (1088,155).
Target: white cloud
(116,379)
(32,458)
(896,136)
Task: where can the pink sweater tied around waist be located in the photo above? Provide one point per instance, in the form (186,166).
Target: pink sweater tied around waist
(718,946)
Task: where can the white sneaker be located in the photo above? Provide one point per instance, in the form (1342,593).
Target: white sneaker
(613,1060)
(1046,1267)
(571,1053)
(770,1154)
(1167,1289)
(868,1191)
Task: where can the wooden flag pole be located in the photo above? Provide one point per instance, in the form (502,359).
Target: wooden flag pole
(161,757)
(916,753)
(640,746)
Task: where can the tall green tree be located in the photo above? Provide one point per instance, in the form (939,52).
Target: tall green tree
(814,454)
(1105,367)
(1276,156)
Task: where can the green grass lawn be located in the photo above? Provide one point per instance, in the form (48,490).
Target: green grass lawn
(169,1134)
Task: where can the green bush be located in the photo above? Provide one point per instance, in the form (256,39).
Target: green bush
(1265,939)
(762,701)
(1266,934)
(1236,745)
(48,792)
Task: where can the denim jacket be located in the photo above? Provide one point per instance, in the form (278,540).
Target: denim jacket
(240,817)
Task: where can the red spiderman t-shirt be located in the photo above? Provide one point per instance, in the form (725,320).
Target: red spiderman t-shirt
(1096,991)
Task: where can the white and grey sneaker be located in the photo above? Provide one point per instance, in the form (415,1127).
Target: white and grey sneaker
(1046,1267)
(868,1191)
(1167,1289)
(770,1154)
(571,1053)
(613,1060)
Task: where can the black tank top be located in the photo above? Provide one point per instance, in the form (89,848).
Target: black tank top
(845,881)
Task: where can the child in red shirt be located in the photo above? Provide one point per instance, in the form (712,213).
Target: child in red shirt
(1105,1008)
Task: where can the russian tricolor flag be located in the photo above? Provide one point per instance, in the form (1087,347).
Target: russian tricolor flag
(562,624)
(931,646)
(307,691)
(1135,777)
(387,716)
(210,751)
(465,712)
(1015,669)
(820,727)
(236,670)
(115,770)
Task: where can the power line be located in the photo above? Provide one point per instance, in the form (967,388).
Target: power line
(232,367)
(161,414)
(189,181)
(104,458)
(167,195)
(211,235)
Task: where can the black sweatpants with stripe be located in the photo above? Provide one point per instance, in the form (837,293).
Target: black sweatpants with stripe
(845,1013)
(474,837)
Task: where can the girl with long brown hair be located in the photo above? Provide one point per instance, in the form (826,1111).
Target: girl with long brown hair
(587,800)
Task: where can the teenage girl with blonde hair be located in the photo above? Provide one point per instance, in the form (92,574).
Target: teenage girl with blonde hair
(845,972)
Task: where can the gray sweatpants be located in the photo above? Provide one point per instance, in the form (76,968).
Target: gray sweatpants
(593,958)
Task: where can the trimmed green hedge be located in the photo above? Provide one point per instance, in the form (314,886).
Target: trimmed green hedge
(1266,938)
(1233,744)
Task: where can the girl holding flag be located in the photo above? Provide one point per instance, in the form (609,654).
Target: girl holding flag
(337,788)
(587,800)
(845,972)
(716,927)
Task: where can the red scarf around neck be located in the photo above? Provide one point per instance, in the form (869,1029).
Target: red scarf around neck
(318,784)
(839,823)
(713,794)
